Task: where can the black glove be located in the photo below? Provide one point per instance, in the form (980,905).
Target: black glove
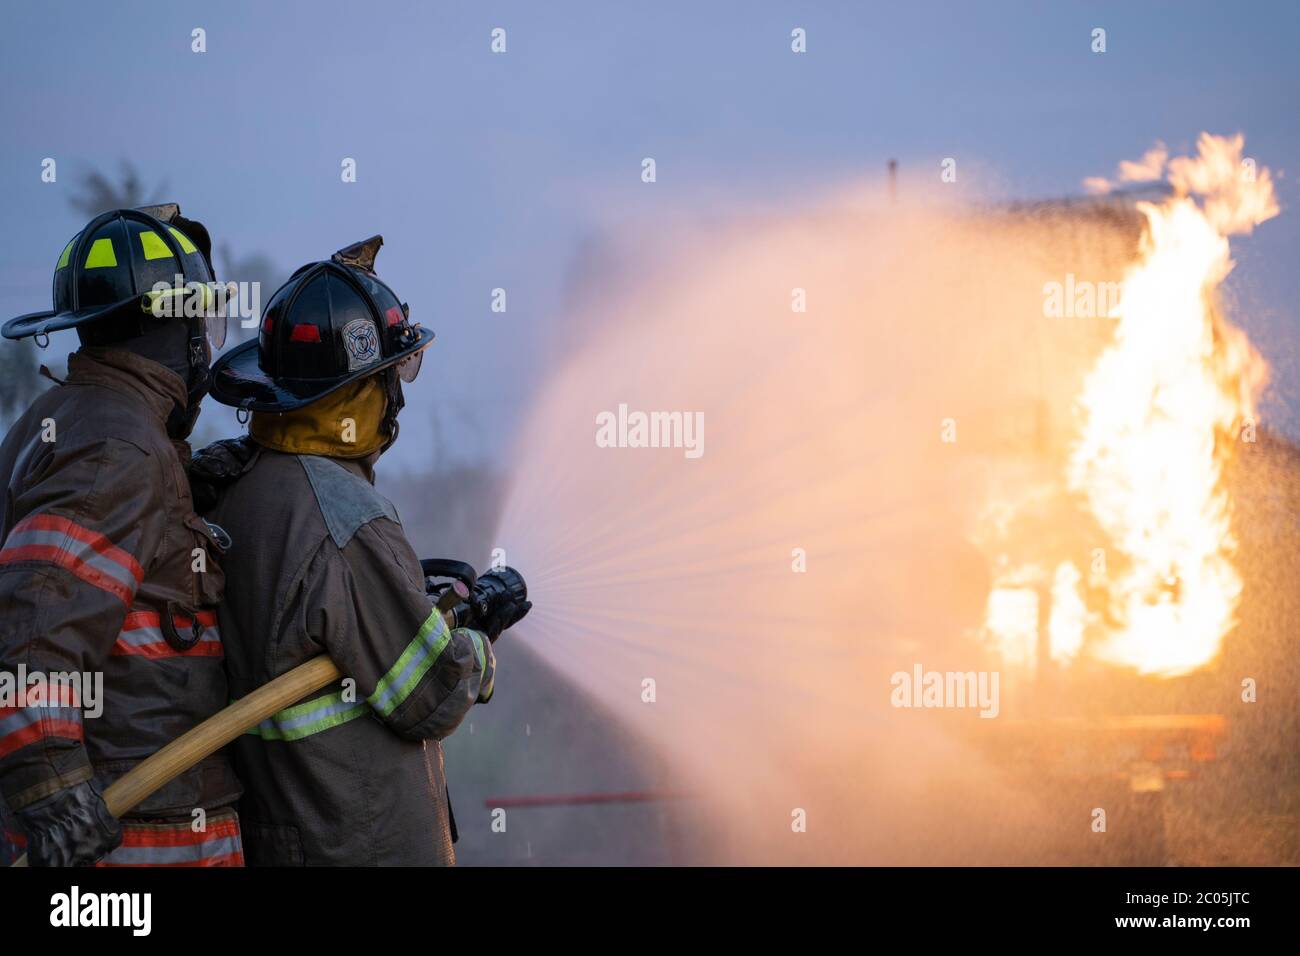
(70,828)
(504,611)
(218,465)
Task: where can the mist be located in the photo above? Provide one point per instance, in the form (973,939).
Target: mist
(744,610)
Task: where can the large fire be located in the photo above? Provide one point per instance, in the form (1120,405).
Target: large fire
(1160,413)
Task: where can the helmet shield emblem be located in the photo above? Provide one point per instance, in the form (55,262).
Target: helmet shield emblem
(361,342)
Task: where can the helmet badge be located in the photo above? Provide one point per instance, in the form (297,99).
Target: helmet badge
(361,340)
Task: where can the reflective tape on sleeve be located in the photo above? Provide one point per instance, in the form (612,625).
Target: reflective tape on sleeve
(33,720)
(309,718)
(52,539)
(414,662)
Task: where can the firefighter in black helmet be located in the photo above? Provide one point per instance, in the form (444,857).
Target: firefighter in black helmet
(133,279)
(353,775)
(331,324)
(105,568)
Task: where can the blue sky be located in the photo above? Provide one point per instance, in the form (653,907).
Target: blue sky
(486,171)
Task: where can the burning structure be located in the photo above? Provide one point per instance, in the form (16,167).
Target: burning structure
(1162,410)
(1118,564)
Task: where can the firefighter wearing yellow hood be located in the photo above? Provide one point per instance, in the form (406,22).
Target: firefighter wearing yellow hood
(318,563)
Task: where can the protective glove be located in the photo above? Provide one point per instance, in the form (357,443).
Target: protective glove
(218,465)
(70,828)
(504,611)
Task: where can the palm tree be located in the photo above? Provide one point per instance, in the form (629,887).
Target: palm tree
(100,194)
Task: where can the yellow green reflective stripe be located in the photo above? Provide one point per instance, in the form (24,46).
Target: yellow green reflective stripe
(484,692)
(101,255)
(183,239)
(153,245)
(478,650)
(402,678)
(67,251)
(308,718)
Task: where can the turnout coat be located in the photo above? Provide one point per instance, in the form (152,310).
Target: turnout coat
(318,564)
(106,571)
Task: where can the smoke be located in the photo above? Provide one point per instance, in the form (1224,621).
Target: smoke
(745,610)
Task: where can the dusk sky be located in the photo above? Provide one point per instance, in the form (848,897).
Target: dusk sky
(486,170)
(825,591)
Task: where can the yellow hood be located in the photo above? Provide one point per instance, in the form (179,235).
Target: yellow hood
(343,424)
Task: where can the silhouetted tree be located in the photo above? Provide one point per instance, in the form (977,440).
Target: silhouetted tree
(254,267)
(100,194)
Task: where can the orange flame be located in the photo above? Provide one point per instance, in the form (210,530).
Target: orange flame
(1161,413)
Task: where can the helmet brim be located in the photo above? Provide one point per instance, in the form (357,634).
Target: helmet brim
(238,381)
(41,323)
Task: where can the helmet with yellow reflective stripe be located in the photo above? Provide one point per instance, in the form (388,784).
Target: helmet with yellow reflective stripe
(131,267)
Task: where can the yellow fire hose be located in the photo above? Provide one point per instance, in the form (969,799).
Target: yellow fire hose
(213,734)
(220,729)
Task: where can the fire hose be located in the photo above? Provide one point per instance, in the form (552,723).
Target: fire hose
(462,602)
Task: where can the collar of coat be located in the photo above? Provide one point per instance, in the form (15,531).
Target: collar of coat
(156,385)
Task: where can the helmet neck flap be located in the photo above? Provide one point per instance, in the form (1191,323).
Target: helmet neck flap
(180,345)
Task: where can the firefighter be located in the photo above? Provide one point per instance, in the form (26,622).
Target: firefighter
(320,564)
(108,577)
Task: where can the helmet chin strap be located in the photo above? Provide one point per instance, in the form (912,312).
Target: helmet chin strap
(396,402)
(198,380)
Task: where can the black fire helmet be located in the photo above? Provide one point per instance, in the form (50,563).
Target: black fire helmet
(332,323)
(111,269)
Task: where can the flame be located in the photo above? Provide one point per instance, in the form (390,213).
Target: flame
(1069,615)
(1161,413)
(1162,409)
(1012,615)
